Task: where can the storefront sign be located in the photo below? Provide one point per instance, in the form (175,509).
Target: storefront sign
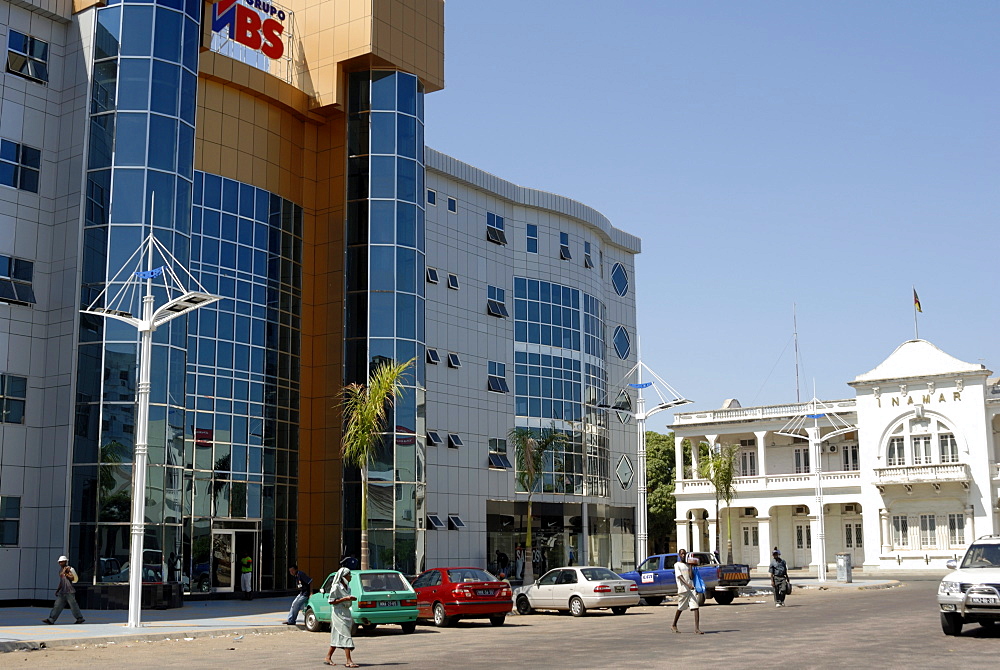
(248,27)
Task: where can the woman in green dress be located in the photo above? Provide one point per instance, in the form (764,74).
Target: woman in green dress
(341,620)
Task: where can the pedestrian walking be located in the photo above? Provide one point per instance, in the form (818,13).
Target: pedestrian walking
(246,577)
(780,583)
(685,591)
(341,620)
(65,593)
(518,561)
(302,582)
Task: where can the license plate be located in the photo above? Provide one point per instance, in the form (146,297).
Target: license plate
(619,589)
(484,592)
(388,603)
(984,600)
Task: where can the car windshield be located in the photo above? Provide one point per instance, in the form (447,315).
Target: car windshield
(598,574)
(383,581)
(470,575)
(982,556)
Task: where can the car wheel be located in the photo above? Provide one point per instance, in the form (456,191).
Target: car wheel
(409,626)
(497,620)
(951,623)
(653,600)
(619,610)
(724,597)
(441,620)
(523,605)
(576,606)
(369,627)
(700,598)
(312,623)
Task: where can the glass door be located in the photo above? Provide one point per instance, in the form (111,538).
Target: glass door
(223,563)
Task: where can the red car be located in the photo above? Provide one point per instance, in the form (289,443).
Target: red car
(449,594)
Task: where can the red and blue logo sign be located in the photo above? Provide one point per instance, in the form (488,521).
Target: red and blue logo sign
(248,27)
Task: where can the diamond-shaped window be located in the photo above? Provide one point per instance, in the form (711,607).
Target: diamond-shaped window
(623,345)
(619,279)
(624,406)
(625,472)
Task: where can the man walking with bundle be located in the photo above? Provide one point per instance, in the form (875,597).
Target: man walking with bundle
(65,593)
(685,591)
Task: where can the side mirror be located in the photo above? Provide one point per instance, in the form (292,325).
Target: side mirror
(952,564)
(537,581)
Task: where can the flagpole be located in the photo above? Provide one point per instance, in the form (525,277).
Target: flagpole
(916,330)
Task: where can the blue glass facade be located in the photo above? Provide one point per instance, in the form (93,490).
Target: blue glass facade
(560,378)
(139,178)
(242,423)
(385,303)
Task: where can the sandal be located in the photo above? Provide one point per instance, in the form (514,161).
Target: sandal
(325,662)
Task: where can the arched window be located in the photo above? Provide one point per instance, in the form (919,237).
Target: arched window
(912,441)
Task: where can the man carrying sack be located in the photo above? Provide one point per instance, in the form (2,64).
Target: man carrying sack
(65,593)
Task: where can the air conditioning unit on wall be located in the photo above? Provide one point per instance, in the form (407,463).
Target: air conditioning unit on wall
(832,448)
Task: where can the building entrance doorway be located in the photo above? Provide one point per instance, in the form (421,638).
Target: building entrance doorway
(803,545)
(750,536)
(229,547)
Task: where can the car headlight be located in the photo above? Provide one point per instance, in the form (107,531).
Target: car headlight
(948,587)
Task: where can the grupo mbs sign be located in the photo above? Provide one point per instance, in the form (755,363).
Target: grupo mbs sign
(248,27)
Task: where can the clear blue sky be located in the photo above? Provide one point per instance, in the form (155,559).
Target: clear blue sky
(828,154)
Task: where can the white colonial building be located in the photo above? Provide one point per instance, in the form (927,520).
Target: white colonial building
(905,474)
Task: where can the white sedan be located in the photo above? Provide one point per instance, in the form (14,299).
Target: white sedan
(578,589)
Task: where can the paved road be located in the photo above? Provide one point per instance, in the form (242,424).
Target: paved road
(891,628)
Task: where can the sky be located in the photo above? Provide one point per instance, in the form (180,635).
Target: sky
(826,156)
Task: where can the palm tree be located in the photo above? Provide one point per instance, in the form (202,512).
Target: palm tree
(365,409)
(720,469)
(529,449)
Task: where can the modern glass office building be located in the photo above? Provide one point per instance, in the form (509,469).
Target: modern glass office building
(283,165)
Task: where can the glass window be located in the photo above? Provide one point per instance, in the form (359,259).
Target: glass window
(19,166)
(896,453)
(564,253)
(921,449)
(623,345)
(495,229)
(452,205)
(432,276)
(948,447)
(431,197)
(27,56)
(928,531)
(15,281)
(956,530)
(453,282)
(532,236)
(900,531)
(10,520)
(13,391)
(619,279)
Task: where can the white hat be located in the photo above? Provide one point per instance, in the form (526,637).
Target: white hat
(63,558)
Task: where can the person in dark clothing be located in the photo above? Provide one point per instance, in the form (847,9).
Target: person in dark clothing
(302,582)
(350,562)
(779,577)
(502,562)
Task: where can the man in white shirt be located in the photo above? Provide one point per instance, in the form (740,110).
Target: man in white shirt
(688,598)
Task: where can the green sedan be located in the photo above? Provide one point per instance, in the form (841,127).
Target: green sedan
(383,596)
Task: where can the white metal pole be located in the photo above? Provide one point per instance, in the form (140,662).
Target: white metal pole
(641,532)
(815,446)
(141,453)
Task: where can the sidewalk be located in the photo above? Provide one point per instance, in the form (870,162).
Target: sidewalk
(803,579)
(21,628)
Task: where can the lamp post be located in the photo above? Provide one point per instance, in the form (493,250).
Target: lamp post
(800,427)
(179,303)
(641,414)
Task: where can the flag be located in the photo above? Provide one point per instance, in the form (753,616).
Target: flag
(916,302)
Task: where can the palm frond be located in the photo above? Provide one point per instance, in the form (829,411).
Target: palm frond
(365,409)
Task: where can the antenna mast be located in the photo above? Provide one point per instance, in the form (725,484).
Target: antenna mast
(795,336)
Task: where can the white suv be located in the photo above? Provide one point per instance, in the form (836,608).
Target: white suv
(971,593)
